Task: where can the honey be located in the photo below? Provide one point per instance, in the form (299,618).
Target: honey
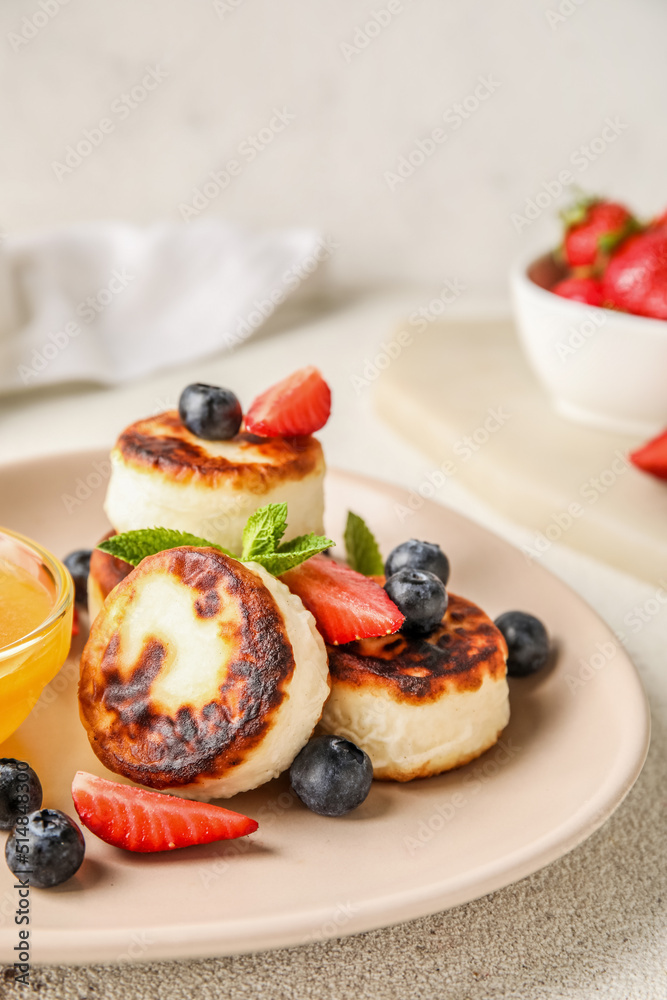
(25,603)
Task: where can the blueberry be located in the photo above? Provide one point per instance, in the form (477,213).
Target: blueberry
(421,596)
(210,412)
(527,642)
(46,847)
(418,555)
(331,775)
(20,791)
(78,563)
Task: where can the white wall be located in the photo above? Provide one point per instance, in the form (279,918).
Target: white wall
(355,113)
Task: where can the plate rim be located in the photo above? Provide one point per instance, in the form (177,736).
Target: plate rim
(228,937)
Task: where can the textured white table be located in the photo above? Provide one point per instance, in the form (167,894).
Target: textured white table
(590,925)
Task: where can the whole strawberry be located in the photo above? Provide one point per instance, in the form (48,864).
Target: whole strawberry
(592,229)
(636,277)
(586,290)
(652,456)
(660,221)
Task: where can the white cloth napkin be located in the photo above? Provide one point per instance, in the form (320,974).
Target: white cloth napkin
(110,302)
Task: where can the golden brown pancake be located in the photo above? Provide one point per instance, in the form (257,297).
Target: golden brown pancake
(105,573)
(421,706)
(162,474)
(163,443)
(201,675)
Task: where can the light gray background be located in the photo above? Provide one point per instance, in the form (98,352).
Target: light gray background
(355,115)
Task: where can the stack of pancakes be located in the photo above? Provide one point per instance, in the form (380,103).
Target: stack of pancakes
(206,676)
(162,474)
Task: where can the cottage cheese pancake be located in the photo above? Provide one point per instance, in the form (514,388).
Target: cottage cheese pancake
(162,474)
(202,675)
(421,706)
(106,572)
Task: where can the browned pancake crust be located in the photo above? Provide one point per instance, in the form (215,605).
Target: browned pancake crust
(106,570)
(457,656)
(127,732)
(164,443)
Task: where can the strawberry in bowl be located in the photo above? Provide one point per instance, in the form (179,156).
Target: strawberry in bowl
(635,280)
(591,314)
(592,228)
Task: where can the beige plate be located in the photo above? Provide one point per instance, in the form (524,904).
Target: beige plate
(575,745)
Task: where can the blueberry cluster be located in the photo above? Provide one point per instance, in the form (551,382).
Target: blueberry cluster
(44,843)
(416,577)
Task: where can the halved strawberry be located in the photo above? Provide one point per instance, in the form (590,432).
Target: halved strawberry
(300,404)
(345,604)
(652,457)
(137,820)
(586,290)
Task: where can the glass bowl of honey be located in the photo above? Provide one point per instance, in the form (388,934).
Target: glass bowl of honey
(36,608)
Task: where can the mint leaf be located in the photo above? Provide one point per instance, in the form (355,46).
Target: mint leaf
(261,538)
(263,531)
(133,546)
(290,554)
(363,553)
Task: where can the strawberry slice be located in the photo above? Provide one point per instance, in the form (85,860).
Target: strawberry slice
(652,457)
(345,604)
(300,404)
(137,820)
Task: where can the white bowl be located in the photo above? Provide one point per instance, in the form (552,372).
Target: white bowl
(602,368)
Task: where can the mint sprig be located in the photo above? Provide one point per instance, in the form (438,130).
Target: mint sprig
(261,542)
(292,553)
(263,531)
(363,553)
(133,546)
